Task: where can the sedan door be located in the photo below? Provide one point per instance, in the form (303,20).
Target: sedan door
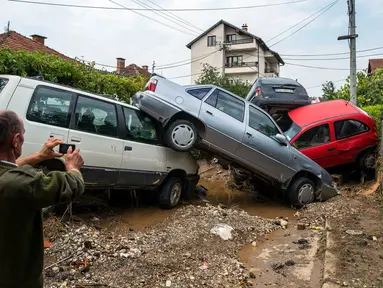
(224,116)
(261,150)
(317,144)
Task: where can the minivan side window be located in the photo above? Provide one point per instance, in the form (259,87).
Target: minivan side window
(50,106)
(96,116)
(3,82)
(139,127)
(199,93)
(261,122)
(348,128)
(315,136)
(227,104)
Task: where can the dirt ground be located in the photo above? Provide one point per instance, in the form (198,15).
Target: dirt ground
(127,246)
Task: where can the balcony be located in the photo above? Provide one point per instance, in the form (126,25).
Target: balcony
(242,67)
(271,72)
(241,41)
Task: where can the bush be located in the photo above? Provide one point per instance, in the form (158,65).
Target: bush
(376,112)
(70,73)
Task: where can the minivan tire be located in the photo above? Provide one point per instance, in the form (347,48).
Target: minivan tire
(301,192)
(181,145)
(170,193)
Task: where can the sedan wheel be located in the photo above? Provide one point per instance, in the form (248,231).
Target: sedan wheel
(181,135)
(302,192)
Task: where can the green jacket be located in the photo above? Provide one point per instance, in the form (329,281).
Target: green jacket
(23,193)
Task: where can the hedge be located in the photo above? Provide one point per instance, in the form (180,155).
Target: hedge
(71,73)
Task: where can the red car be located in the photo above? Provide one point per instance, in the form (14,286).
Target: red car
(334,133)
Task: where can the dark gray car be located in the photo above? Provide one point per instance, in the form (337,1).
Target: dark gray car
(236,130)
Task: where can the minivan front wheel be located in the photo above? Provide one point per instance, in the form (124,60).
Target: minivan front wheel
(181,135)
(302,192)
(170,193)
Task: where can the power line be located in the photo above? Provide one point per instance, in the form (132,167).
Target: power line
(179,18)
(147,17)
(296,31)
(316,67)
(316,86)
(165,16)
(154,9)
(192,61)
(330,54)
(332,59)
(300,22)
(186,60)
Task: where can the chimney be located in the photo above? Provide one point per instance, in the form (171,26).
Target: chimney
(120,64)
(38,38)
(145,67)
(245,27)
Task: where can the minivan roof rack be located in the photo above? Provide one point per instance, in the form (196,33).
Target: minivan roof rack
(37,77)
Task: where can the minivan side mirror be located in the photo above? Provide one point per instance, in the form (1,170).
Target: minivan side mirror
(281,139)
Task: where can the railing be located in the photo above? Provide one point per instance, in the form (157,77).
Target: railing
(271,70)
(241,64)
(241,41)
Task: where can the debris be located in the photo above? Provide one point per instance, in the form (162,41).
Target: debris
(168,283)
(254,244)
(302,243)
(47,244)
(317,228)
(277,266)
(287,234)
(297,214)
(283,223)
(95,219)
(290,263)
(223,231)
(354,232)
(301,226)
(252,275)
(204,266)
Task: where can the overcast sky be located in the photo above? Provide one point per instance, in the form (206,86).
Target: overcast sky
(103,35)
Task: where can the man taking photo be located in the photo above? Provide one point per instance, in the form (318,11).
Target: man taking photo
(23,193)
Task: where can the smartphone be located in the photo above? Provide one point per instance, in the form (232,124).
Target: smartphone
(63,148)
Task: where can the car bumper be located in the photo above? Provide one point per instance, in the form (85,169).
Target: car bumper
(153,106)
(283,103)
(327,192)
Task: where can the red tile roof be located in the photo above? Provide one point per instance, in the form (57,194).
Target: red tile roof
(16,41)
(134,70)
(374,64)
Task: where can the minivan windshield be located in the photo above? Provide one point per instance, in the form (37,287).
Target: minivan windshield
(293,131)
(3,82)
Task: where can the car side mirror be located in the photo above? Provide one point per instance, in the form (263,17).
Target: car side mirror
(281,139)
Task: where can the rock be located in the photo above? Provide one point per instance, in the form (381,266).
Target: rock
(354,232)
(254,244)
(290,263)
(55,269)
(168,283)
(252,275)
(88,245)
(374,238)
(282,222)
(301,226)
(277,266)
(223,231)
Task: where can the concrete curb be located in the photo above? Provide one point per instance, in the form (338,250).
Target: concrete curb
(329,260)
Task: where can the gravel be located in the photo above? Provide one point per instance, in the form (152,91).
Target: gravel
(179,252)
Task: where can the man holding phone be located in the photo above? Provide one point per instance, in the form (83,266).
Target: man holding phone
(23,193)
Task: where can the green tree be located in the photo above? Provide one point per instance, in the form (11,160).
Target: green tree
(211,75)
(369,89)
(328,89)
(70,73)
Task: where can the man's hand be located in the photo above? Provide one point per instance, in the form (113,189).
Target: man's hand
(47,152)
(73,160)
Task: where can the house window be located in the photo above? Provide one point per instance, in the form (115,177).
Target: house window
(211,40)
(231,37)
(234,61)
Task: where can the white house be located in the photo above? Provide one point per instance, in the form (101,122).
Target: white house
(235,52)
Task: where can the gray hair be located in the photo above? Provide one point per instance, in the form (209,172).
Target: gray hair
(10,124)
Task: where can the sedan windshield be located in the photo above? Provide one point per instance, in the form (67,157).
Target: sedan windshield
(293,131)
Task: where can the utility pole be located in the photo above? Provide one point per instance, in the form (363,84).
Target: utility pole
(153,66)
(223,46)
(351,37)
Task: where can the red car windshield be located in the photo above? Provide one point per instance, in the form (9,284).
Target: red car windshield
(293,131)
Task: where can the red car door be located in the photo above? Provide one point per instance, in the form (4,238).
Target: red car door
(350,140)
(317,143)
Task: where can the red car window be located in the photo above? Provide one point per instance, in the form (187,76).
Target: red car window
(348,128)
(316,136)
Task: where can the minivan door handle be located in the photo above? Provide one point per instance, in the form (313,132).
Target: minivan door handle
(128,148)
(330,149)
(75,139)
(208,112)
(249,135)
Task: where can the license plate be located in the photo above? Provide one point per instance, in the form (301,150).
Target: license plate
(280,90)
